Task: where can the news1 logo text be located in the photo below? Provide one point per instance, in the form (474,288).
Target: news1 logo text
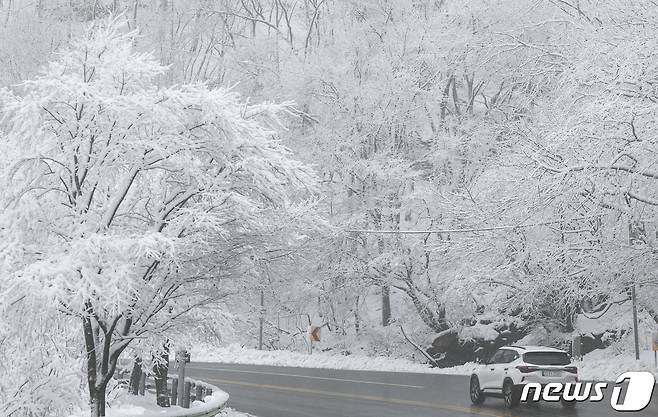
(638,392)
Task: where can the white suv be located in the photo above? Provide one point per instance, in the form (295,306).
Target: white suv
(511,367)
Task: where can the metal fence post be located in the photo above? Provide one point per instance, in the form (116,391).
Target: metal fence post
(180,360)
(186,396)
(174,391)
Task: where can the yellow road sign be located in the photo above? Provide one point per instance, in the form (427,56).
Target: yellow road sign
(654,341)
(314,333)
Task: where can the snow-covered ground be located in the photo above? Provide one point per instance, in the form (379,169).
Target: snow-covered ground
(605,364)
(239,355)
(608,364)
(122,404)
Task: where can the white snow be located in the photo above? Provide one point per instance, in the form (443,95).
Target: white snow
(229,412)
(604,364)
(239,355)
(618,317)
(608,364)
(480,331)
(126,405)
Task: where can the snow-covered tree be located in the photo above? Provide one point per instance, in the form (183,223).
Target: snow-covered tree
(128,199)
(592,146)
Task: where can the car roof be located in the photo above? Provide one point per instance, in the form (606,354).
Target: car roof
(527,348)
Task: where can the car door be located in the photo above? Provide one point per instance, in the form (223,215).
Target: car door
(489,378)
(504,368)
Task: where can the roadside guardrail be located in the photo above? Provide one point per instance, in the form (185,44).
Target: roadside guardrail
(199,398)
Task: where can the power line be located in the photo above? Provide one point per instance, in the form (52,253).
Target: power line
(471,230)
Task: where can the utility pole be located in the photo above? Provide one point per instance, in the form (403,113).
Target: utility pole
(262,318)
(636,235)
(635,327)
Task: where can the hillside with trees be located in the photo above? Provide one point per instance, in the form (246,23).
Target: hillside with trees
(408,173)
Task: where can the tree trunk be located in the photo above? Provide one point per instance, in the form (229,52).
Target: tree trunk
(93,406)
(357,318)
(386,305)
(97,402)
(135,376)
(101,355)
(160,371)
(386,289)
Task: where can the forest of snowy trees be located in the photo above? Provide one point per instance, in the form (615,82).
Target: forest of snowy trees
(470,173)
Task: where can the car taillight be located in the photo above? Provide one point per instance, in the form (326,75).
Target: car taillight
(526,369)
(571,369)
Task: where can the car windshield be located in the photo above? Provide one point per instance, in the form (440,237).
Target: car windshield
(547,358)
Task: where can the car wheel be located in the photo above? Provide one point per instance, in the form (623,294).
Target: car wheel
(568,404)
(477,396)
(510,394)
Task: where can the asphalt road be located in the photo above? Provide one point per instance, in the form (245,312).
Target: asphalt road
(270,391)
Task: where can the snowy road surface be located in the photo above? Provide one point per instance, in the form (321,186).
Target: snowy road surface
(271,391)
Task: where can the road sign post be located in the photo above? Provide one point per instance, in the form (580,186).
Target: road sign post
(313,335)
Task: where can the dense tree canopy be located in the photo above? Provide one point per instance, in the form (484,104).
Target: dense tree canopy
(515,139)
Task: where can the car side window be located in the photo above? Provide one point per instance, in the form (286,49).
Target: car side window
(510,356)
(498,357)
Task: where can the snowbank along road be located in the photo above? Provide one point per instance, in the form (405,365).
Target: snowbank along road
(271,391)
